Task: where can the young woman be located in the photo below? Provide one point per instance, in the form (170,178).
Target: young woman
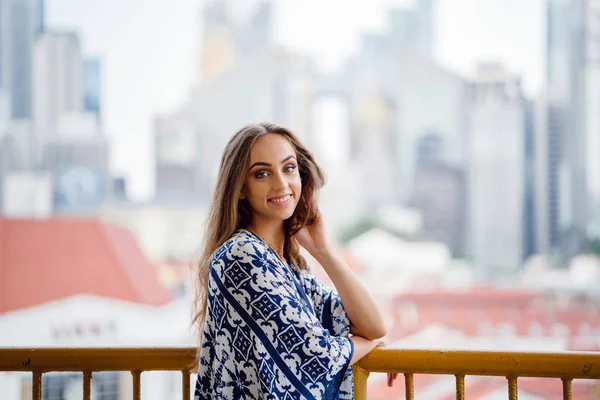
(269,329)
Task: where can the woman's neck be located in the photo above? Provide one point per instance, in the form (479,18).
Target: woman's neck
(272,234)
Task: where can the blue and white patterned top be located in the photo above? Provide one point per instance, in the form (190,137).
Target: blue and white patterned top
(271,332)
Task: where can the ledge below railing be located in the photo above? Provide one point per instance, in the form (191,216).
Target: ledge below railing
(512,365)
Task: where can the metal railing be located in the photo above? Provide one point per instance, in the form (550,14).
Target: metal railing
(512,365)
(89,360)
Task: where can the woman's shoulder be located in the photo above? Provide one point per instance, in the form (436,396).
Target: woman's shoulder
(242,242)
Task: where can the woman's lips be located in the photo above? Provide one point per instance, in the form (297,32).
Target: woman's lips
(281,200)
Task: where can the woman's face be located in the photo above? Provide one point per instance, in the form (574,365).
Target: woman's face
(273,186)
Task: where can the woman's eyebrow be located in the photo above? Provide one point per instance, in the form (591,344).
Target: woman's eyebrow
(264,164)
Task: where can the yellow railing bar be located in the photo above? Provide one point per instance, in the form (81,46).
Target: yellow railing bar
(512,365)
(574,365)
(98,359)
(87,360)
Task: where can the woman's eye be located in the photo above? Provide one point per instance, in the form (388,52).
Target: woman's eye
(261,174)
(289,168)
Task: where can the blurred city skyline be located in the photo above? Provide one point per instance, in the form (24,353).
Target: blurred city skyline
(151,62)
(460,139)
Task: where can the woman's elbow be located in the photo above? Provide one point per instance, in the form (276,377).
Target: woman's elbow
(376,332)
(370,332)
(379,332)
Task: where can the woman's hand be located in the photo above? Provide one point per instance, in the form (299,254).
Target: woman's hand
(362,310)
(391,376)
(312,237)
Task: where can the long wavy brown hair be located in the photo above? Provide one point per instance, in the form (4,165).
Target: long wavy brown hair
(228,212)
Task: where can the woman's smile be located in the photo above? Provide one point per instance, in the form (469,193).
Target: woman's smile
(281,200)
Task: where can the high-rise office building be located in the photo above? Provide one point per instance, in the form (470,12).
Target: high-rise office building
(228,37)
(177,144)
(427,97)
(529,227)
(414,27)
(19,25)
(4,46)
(550,123)
(217,40)
(91,86)
(439,193)
(77,158)
(572,120)
(495,171)
(58,83)
(377,159)
(41,17)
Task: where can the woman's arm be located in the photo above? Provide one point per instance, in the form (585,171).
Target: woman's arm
(362,347)
(365,317)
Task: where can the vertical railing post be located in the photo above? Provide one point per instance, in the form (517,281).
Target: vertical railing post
(87,384)
(460,387)
(409,382)
(137,390)
(360,382)
(37,385)
(513,389)
(567,388)
(185,385)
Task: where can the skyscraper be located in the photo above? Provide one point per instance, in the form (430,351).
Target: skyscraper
(496,171)
(4,45)
(58,83)
(439,193)
(413,28)
(91,85)
(41,17)
(217,41)
(228,38)
(529,239)
(22,29)
(573,118)
(425,12)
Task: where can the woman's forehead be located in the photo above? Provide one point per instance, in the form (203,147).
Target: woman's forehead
(271,147)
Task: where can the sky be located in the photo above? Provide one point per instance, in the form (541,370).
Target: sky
(151,52)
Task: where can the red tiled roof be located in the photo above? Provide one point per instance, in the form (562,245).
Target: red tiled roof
(475,311)
(46,260)
(479,295)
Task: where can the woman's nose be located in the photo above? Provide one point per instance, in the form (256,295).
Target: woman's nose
(280,181)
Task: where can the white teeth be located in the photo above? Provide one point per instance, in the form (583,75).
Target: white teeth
(281,199)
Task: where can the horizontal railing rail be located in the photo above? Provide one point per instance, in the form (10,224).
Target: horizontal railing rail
(512,365)
(89,360)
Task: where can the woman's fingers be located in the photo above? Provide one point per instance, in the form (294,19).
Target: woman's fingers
(391,377)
